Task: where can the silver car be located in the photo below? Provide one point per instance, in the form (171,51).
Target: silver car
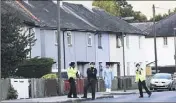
(162,81)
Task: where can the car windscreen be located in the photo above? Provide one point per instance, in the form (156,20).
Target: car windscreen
(162,76)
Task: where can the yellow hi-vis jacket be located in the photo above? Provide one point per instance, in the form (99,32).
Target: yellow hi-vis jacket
(140,75)
(71,72)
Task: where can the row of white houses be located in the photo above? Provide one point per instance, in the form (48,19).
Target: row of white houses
(86,36)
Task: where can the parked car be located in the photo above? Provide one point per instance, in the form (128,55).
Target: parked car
(162,81)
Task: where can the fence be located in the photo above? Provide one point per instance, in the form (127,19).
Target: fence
(39,88)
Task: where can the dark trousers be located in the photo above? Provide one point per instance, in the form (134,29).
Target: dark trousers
(142,84)
(72,88)
(90,83)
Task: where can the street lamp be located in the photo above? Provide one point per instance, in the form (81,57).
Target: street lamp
(175,47)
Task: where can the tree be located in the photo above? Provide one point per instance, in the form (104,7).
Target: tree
(160,17)
(139,17)
(13,43)
(109,6)
(120,8)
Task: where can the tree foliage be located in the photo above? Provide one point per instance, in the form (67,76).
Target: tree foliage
(120,8)
(160,16)
(109,6)
(12,93)
(14,43)
(35,67)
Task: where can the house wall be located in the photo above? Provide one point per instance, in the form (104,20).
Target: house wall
(165,54)
(46,46)
(79,51)
(133,54)
(102,54)
(36,49)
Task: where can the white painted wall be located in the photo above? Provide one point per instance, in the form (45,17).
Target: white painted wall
(36,49)
(165,54)
(133,54)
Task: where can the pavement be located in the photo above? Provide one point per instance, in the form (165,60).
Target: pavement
(162,96)
(64,99)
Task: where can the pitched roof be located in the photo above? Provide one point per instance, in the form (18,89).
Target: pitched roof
(164,27)
(101,19)
(121,24)
(13,7)
(46,12)
(142,25)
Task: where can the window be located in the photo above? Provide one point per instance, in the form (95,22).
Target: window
(165,41)
(139,42)
(55,37)
(118,41)
(89,40)
(128,68)
(127,41)
(99,41)
(69,38)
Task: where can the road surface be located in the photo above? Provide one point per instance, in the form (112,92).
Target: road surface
(165,96)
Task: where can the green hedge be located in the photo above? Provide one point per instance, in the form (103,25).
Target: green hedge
(35,67)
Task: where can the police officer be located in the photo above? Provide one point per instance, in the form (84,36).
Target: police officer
(72,74)
(140,78)
(91,80)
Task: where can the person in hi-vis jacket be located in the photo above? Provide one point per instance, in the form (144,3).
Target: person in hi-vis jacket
(108,77)
(140,79)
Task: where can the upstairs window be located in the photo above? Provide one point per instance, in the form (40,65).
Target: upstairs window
(118,41)
(99,41)
(165,41)
(69,38)
(139,42)
(89,41)
(127,41)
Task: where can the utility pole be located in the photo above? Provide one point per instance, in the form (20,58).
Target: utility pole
(175,47)
(155,48)
(59,46)
(124,83)
(0,65)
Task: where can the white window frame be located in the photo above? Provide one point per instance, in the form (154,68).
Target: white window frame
(100,41)
(70,43)
(165,41)
(127,41)
(55,37)
(140,42)
(89,36)
(118,41)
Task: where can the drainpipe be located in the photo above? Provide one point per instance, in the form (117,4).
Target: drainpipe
(95,48)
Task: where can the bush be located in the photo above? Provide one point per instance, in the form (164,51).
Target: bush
(12,93)
(50,76)
(35,67)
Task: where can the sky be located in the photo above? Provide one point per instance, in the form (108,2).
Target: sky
(144,6)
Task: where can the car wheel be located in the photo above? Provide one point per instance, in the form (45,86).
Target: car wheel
(170,89)
(151,88)
(155,89)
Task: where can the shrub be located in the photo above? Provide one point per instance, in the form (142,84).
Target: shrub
(50,76)
(12,93)
(35,67)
